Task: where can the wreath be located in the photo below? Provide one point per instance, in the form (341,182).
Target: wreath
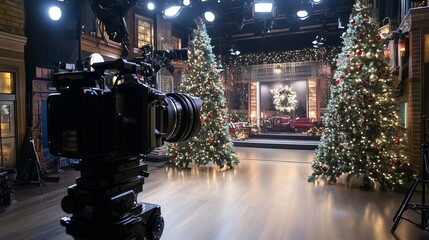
(285,99)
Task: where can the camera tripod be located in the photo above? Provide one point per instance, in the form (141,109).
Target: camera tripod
(421,208)
(32,163)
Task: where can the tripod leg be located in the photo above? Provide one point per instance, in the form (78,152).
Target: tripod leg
(38,177)
(404,204)
(38,167)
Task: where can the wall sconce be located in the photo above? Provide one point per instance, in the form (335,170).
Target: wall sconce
(402,47)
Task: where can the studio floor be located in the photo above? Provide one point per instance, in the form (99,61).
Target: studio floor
(266,197)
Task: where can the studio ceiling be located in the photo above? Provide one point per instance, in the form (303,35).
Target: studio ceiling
(287,32)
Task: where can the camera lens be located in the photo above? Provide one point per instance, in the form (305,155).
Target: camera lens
(182,117)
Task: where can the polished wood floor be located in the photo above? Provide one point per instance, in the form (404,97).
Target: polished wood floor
(266,197)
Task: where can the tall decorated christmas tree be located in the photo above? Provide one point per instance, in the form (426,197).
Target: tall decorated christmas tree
(213,142)
(363,135)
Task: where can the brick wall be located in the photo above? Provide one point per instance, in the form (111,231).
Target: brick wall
(12,17)
(414,23)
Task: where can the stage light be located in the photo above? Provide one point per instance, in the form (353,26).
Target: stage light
(186,3)
(263,9)
(209,16)
(340,23)
(303,11)
(233,50)
(315,2)
(319,40)
(150,6)
(55,13)
(171,9)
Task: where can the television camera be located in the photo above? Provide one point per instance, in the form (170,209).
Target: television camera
(110,130)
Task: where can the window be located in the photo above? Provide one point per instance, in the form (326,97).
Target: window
(6,82)
(177,42)
(144,31)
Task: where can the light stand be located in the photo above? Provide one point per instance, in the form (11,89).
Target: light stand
(421,208)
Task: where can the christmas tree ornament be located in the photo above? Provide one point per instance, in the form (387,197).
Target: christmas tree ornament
(358,52)
(368,55)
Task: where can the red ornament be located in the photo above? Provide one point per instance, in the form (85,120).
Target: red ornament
(358,52)
(377,37)
(377,148)
(376,98)
(358,67)
(202,121)
(347,55)
(324,168)
(398,141)
(210,116)
(342,76)
(326,126)
(363,82)
(337,81)
(187,68)
(352,21)
(330,115)
(340,137)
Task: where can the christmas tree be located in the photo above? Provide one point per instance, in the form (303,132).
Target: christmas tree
(213,142)
(363,135)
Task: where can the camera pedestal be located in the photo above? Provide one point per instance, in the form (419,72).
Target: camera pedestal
(149,224)
(103,201)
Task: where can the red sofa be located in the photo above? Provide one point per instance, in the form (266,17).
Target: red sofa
(303,123)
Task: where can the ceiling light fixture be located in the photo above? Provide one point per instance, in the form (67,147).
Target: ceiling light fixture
(186,3)
(315,2)
(303,11)
(234,51)
(150,5)
(319,40)
(209,16)
(55,13)
(263,8)
(171,9)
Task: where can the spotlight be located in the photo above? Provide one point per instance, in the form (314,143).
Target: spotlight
(315,2)
(319,41)
(186,3)
(55,13)
(150,6)
(171,9)
(209,16)
(263,8)
(303,11)
(340,23)
(234,51)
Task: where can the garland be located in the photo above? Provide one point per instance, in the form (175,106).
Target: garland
(285,99)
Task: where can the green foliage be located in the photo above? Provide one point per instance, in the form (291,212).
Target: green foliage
(363,135)
(213,142)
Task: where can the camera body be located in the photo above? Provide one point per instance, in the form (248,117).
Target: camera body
(93,121)
(87,120)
